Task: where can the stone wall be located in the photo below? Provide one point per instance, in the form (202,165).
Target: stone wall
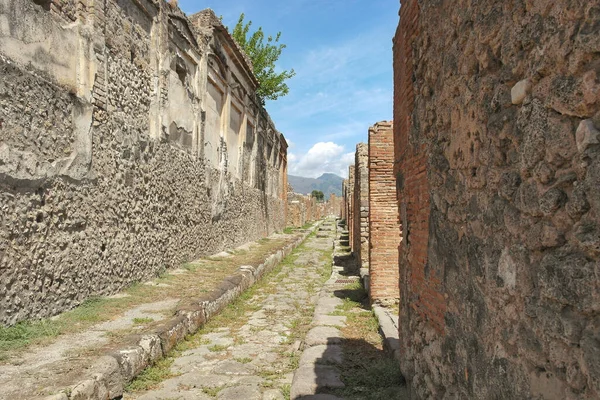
(344,200)
(302,209)
(384,225)
(496,135)
(333,206)
(360,203)
(350,203)
(132,142)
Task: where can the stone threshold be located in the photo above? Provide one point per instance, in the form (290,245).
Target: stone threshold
(110,373)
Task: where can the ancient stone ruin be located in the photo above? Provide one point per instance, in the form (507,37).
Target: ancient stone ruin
(496,170)
(302,209)
(132,141)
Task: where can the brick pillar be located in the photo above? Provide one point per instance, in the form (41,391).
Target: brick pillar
(384,219)
(361,205)
(350,222)
(344,205)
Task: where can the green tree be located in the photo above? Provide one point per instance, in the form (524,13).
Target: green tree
(263,55)
(318,195)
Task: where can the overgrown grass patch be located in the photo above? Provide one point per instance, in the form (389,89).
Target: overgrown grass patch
(368,372)
(151,377)
(217,347)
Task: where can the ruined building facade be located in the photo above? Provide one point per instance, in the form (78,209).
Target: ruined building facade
(131,141)
(497,167)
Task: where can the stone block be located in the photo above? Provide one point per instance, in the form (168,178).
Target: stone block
(586,135)
(520,91)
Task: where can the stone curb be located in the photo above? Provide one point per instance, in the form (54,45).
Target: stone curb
(388,324)
(388,327)
(110,373)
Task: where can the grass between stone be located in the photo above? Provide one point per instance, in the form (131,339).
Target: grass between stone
(201,277)
(234,316)
(368,372)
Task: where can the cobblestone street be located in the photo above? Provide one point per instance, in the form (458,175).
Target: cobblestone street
(252,349)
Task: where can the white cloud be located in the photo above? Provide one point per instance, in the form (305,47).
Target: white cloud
(322,157)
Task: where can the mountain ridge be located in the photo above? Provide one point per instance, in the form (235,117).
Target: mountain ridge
(327,183)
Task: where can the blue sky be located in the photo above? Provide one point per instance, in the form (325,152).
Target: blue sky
(341,51)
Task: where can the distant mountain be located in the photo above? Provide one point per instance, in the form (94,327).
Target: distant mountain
(326,183)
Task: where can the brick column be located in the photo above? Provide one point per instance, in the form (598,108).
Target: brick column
(384,219)
(361,206)
(350,202)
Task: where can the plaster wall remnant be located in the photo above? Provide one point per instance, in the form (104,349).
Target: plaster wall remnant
(132,141)
(384,218)
(360,202)
(499,198)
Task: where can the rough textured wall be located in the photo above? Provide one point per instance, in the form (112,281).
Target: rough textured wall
(333,206)
(344,201)
(498,170)
(350,202)
(104,179)
(302,209)
(360,201)
(384,219)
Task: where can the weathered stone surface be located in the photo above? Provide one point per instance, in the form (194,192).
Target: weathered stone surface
(329,320)
(327,354)
(312,378)
(121,157)
(240,392)
(520,90)
(497,168)
(323,335)
(586,135)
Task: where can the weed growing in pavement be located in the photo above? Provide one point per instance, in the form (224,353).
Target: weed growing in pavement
(217,347)
(151,377)
(212,391)
(286,390)
(141,321)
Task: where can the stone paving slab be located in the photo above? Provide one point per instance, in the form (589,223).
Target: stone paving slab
(323,335)
(327,354)
(309,379)
(329,320)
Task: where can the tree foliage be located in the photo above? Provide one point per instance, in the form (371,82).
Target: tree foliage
(317,194)
(263,55)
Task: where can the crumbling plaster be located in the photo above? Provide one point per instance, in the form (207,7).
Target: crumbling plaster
(109,172)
